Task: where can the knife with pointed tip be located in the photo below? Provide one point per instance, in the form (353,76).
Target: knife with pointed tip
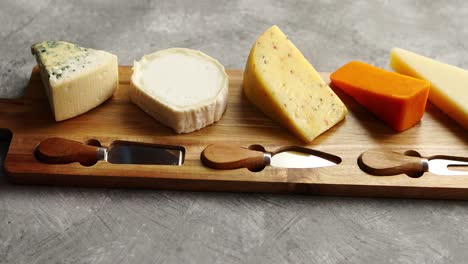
(64,151)
(228,157)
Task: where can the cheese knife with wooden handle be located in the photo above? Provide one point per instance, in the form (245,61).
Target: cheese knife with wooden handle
(64,151)
(228,157)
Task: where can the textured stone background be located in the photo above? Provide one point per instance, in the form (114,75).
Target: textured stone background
(78,225)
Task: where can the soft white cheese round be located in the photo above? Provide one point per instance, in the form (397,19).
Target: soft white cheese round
(182,88)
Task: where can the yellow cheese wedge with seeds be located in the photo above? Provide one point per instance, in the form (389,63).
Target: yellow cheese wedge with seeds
(286,87)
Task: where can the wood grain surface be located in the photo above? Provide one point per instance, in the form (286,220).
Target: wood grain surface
(31,121)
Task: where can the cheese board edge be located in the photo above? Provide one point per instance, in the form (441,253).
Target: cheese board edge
(347,189)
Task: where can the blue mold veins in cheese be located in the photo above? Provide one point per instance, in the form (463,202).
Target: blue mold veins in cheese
(76,79)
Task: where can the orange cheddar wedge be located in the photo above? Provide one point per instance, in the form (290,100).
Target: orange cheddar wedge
(397,99)
(449,84)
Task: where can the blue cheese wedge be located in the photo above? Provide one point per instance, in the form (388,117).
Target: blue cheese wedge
(76,79)
(183,89)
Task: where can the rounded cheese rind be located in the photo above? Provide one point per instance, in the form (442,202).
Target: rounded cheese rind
(182,88)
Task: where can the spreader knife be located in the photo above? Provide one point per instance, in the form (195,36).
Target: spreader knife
(63,151)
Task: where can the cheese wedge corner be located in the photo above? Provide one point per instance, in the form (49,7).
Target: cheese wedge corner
(449,84)
(76,79)
(397,99)
(280,81)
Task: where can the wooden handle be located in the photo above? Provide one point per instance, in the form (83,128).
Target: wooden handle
(228,157)
(385,163)
(63,151)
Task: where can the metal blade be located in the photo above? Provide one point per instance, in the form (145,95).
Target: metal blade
(135,153)
(441,167)
(296,159)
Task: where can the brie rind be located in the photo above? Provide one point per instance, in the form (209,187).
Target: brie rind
(183,89)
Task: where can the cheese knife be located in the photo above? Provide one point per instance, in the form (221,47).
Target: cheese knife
(386,163)
(228,157)
(63,151)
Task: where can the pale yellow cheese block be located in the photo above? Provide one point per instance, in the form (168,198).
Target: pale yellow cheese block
(449,84)
(286,87)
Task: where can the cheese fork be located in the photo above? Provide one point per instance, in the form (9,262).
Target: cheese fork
(386,163)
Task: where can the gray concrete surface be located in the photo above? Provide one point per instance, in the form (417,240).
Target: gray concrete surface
(79,225)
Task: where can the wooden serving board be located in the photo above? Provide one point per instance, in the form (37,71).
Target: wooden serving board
(30,121)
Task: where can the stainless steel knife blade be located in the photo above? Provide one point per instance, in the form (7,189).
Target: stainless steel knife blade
(139,153)
(296,159)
